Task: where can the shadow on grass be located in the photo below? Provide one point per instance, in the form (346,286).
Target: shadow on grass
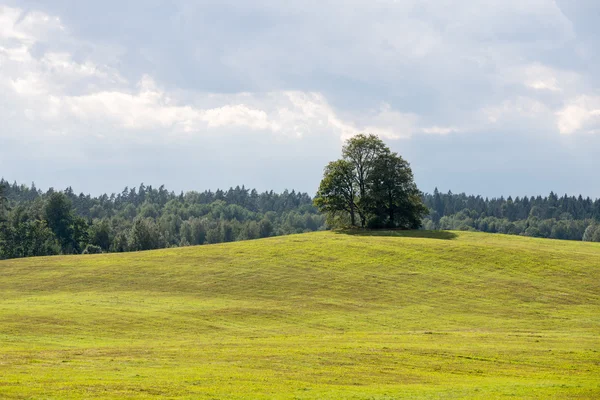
(440,235)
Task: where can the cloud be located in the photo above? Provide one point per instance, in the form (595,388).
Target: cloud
(73,94)
(517,108)
(581,114)
(27,28)
(292,78)
(541,78)
(440,130)
(390,124)
(66,81)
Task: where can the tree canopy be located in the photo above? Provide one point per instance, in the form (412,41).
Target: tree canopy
(370,185)
(566,217)
(33,223)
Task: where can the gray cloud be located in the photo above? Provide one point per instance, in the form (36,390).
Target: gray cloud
(267,84)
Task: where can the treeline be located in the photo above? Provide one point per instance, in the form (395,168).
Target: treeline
(33,223)
(36,223)
(569,218)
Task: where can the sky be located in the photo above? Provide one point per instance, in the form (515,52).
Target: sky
(490,97)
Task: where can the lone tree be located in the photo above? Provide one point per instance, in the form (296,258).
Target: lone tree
(370,184)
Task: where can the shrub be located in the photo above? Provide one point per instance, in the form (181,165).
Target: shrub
(92,249)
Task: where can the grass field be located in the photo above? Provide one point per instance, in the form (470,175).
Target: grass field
(323,315)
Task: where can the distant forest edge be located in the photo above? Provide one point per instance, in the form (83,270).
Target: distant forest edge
(552,217)
(33,223)
(36,223)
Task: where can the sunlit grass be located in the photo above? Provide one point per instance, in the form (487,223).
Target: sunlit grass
(320,315)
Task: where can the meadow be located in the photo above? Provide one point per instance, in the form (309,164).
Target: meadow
(431,315)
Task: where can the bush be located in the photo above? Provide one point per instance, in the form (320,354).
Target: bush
(592,233)
(92,249)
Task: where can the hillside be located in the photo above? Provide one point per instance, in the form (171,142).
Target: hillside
(319,315)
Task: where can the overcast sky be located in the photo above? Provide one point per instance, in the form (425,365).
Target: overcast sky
(491,97)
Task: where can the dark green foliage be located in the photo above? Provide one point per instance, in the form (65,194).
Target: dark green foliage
(34,223)
(265,228)
(338,192)
(145,235)
(394,198)
(554,217)
(24,235)
(99,235)
(59,217)
(120,243)
(371,184)
(214,235)
(363,154)
(3,202)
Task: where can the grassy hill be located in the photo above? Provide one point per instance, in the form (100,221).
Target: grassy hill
(321,315)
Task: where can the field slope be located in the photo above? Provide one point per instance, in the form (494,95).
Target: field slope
(321,315)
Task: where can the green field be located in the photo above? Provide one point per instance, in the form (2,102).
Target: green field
(321,315)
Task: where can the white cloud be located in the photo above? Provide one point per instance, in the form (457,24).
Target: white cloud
(73,94)
(440,130)
(64,68)
(543,77)
(517,108)
(539,84)
(27,27)
(581,114)
(435,44)
(390,124)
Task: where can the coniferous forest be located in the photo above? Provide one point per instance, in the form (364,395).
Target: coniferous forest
(36,223)
(553,217)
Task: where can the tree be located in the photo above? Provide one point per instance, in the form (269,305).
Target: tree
(59,217)
(337,191)
(100,235)
(394,198)
(362,152)
(120,243)
(80,234)
(3,203)
(250,230)
(265,228)
(24,235)
(3,212)
(214,235)
(144,235)
(592,233)
(372,182)
(108,221)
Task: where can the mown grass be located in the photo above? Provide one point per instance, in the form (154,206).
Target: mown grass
(323,315)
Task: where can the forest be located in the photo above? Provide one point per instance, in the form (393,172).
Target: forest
(553,217)
(37,223)
(33,223)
